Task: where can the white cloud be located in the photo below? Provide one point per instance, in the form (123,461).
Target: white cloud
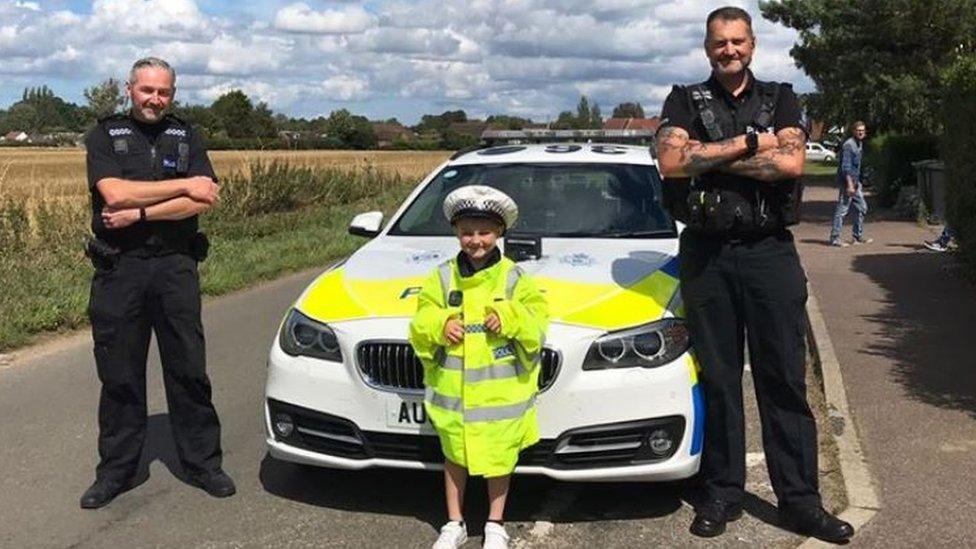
(302,18)
(345,87)
(524,57)
(161,19)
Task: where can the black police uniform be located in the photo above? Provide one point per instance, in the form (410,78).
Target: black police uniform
(146,281)
(746,278)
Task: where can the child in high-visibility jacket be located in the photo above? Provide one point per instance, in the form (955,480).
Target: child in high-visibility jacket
(479,330)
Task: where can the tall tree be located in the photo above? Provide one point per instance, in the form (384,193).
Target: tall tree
(877,60)
(354,132)
(104,98)
(234,113)
(582,113)
(628,110)
(596,118)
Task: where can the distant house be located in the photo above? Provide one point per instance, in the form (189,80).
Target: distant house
(650,124)
(19,137)
(386,133)
(473,128)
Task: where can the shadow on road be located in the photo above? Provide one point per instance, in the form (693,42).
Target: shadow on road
(159,445)
(926,326)
(419,494)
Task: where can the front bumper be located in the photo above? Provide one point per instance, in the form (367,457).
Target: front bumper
(594,425)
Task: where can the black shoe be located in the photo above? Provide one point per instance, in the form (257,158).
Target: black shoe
(710,517)
(815,521)
(217,484)
(100,494)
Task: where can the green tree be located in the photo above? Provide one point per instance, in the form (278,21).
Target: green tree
(200,116)
(877,60)
(104,98)
(596,118)
(22,117)
(628,110)
(263,123)
(582,113)
(234,114)
(440,122)
(354,132)
(566,121)
(505,122)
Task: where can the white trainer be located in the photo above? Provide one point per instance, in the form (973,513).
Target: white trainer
(495,536)
(453,535)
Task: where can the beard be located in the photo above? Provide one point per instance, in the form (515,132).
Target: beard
(733,66)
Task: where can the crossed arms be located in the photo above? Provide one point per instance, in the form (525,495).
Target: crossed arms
(169,200)
(778,157)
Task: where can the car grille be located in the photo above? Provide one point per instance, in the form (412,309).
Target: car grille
(611,445)
(392,366)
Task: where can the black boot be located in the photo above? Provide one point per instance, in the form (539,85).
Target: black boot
(100,494)
(710,517)
(814,521)
(218,484)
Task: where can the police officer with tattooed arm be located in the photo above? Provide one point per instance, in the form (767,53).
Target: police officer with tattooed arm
(732,151)
(149,177)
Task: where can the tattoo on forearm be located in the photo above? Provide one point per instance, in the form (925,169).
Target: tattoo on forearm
(696,157)
(767,165)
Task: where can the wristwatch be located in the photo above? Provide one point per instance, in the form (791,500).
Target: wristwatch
(142,214)
(752,142)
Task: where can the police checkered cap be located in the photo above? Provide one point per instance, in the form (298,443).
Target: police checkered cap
(481,201)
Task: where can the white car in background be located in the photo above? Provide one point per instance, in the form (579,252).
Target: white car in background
(619,396)
(818,153)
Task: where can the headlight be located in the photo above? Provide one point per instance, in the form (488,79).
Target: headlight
(302,336)
(647,346)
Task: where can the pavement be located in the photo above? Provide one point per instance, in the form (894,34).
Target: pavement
(900,320)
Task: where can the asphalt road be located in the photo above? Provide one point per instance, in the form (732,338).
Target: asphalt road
(47,456)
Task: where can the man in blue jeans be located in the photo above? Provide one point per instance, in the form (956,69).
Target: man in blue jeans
(851,192)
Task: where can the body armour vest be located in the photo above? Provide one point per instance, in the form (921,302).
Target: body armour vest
(147,152)
(726,203)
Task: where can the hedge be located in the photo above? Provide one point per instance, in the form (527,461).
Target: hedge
(890,158)
(958,148)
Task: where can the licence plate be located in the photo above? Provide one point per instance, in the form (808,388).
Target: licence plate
(407,412)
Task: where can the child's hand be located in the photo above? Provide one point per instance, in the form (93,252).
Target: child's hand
(492,323)
(454,330)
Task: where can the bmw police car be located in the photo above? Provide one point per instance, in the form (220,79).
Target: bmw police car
(619,396)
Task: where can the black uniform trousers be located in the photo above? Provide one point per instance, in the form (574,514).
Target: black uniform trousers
(757,287)
(139,295)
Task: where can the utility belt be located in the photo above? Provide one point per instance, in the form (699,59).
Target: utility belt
(104,255)
(735,208)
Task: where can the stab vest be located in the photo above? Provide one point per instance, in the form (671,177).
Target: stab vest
(772,206)
(143,156)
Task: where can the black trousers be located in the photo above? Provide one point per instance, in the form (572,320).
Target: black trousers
(129,301)
(755,287)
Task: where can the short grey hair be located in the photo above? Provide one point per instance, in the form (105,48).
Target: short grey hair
(152,62)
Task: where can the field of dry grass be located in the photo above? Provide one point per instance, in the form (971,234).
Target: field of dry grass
(48,173)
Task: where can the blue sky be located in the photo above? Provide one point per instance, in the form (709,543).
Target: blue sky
(384,58)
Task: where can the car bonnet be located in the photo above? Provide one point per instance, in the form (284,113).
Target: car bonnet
(603,284)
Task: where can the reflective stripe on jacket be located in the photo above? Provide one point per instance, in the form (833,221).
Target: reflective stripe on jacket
(480,393)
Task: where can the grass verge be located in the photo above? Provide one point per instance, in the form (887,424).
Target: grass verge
(274,220)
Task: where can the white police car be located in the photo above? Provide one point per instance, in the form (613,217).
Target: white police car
(619,396)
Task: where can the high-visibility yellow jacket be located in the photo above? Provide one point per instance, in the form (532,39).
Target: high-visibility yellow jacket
(480,393)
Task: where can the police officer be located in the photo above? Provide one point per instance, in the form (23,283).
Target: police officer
(741,142)
(149,177)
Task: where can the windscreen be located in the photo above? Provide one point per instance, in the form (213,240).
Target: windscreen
(554,200)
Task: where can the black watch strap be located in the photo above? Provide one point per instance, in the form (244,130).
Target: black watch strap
(752,142)
(142,214)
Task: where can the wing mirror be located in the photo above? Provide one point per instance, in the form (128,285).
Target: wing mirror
(366,224)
